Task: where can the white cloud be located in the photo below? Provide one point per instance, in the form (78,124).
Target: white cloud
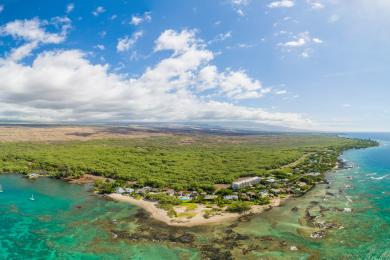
(315,4)
(295,43)
(100,47)
(317,40)
(221,37)
(245,45)
(333,18)
(80,90)
(281,92)
(299,41)
(127,42)
(102,34)
(138,19)
(282,4)
(98,10)
(178,42)
(34,32)
(69,8)
(21,52)
(240,2)
(1,8)
(232,84)
(238,5)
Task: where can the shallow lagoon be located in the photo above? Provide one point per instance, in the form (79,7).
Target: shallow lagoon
(67,221)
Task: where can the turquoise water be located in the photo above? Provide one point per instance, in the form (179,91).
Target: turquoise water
(65,221)
(363,233)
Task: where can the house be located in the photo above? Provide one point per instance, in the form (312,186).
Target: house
(314,174)
(264,194)
(144,190)
(210,197)
(230,197)
(193,194)
(120,190)
(129,190)
(271,180)
(184,198)
(245,182)
(170,192)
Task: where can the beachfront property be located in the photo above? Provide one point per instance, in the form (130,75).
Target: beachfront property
(185,198)
(230,197)
(210,197)
(144,190)
(120,190)
(129,190)
(245,182)
(33,175)
(313,174)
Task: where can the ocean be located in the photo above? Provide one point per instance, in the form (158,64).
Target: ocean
(348,218)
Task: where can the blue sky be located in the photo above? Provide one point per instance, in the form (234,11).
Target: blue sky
(310,64)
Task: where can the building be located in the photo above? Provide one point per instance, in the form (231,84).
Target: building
(264,194)
(129,190)
(120,190)
(245,182)
(210,197)
(170,192)
(314,174)
(230,197)
(184,198)
(143,190)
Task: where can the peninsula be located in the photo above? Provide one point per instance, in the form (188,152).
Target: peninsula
(180,178)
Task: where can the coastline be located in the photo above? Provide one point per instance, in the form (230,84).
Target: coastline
(198,219)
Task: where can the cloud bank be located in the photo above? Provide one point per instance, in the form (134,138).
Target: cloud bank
(64,85)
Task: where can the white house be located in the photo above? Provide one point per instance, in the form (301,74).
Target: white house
(129,190)
(231,197)
(245,182)
(120,190)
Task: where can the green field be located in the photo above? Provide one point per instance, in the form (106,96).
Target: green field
(180,162)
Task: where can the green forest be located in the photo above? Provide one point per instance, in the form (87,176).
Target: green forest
(180,162)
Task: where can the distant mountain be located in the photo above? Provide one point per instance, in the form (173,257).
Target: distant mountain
(225,127)
(216,128)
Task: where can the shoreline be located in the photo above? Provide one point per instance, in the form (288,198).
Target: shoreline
(198,219)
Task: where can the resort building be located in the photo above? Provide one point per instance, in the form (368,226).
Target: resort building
(314,174)
(210,197)
(245,182)
(230,197)
(129,190)
(120,190)
(185,198)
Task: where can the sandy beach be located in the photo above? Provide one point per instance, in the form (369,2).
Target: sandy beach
(197,219)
